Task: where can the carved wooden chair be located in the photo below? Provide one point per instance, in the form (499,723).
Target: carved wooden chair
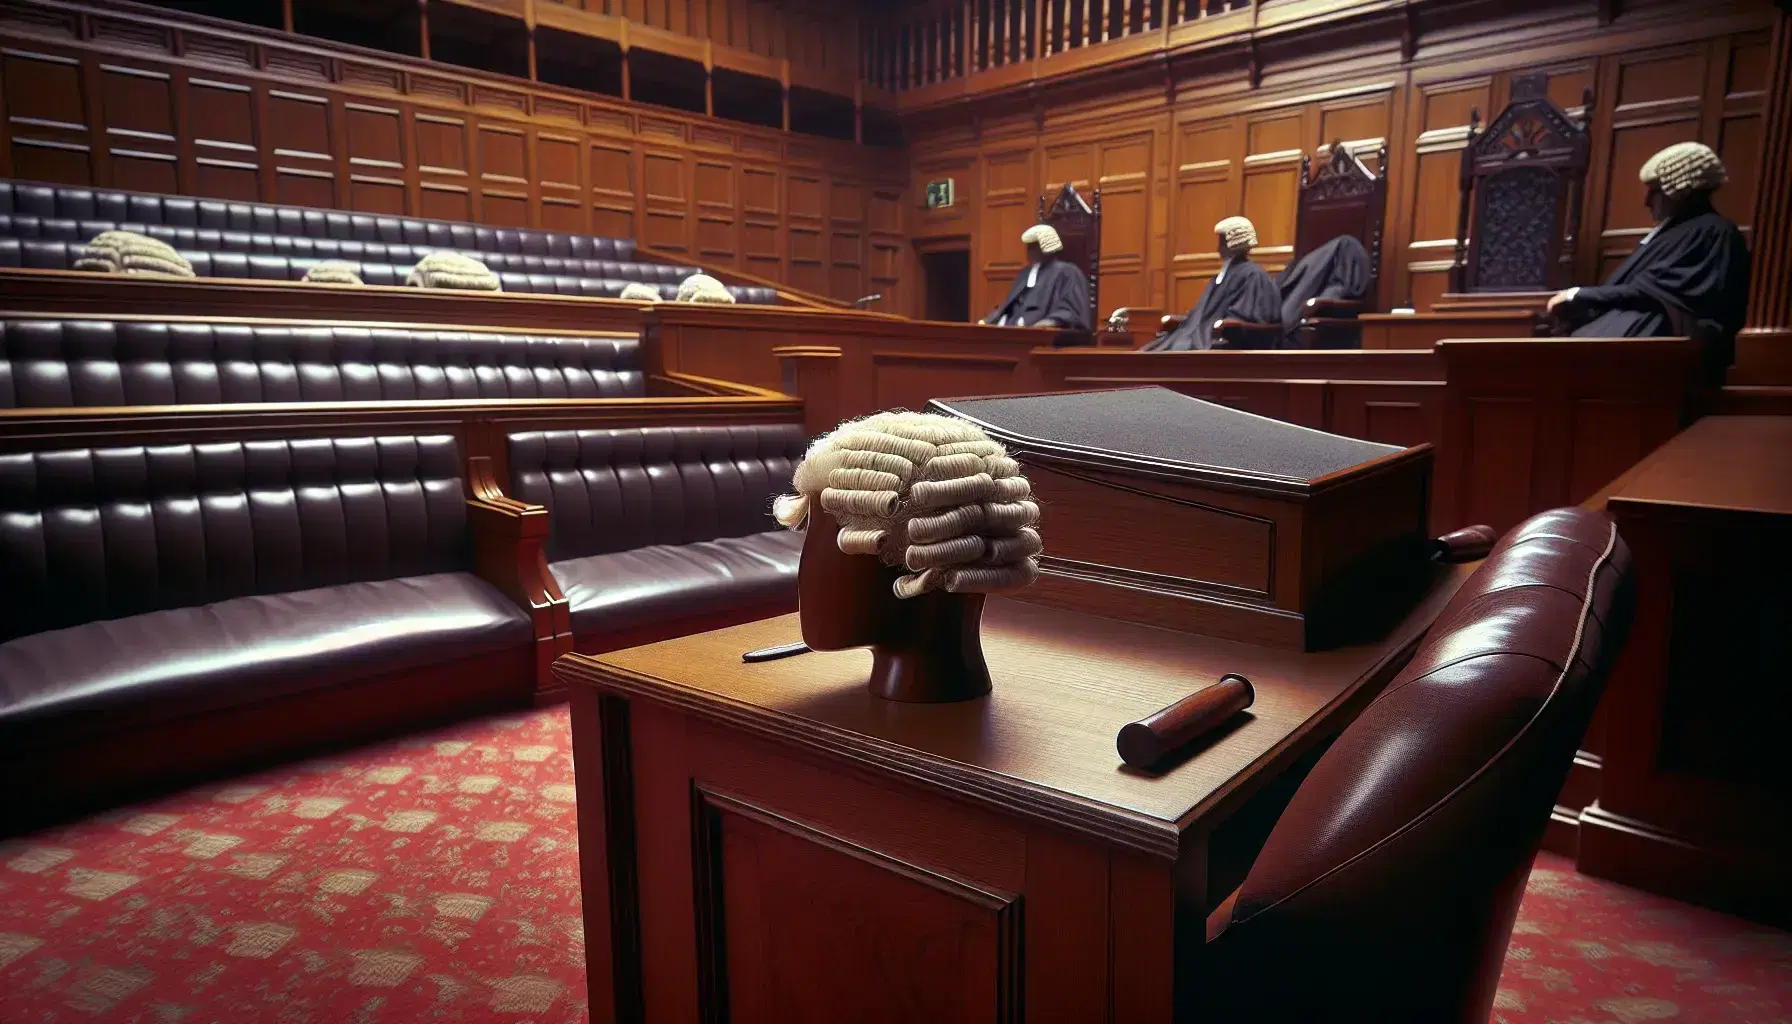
(1344,197)
(1078,223)
(1521,184)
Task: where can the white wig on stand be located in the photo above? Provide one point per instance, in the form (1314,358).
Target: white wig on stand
(703,288)
(127,252)
(933,494)
(635,291)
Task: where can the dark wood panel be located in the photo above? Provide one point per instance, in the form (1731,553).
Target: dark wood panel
(1228,143)
(145,99)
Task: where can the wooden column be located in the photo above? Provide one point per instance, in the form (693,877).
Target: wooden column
(1764,350)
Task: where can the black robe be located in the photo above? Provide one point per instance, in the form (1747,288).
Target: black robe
(1694,270)
(1339,269)
(1061,293)
(1243,291)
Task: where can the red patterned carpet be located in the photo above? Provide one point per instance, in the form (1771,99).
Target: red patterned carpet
(436,879)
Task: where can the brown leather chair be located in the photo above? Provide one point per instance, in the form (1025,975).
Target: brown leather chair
(1387,890)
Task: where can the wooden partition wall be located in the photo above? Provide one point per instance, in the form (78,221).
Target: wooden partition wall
(1216,125)
(1520,426)
(136,98)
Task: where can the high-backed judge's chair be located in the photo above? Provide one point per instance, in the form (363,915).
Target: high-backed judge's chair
(1343,197)
(1078,224)
(1521,183)
(1387,890)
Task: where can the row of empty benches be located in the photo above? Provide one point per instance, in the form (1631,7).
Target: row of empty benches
(47,227)
(227,540)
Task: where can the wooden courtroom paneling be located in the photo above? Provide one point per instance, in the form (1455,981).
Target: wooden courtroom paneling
(137,99)
(1520,426)
(1226,143)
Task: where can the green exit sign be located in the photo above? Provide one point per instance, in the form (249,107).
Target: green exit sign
(939,194)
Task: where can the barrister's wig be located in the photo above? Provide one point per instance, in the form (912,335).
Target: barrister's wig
(126,252)
(1043,235)
(933,494)
(1684,167)
(444,269)
(635,291)
(1238,232)
(703,288)
(333,272)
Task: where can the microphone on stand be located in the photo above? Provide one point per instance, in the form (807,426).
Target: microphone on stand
(866,300)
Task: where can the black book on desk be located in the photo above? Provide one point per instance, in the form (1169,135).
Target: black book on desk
(1172,511)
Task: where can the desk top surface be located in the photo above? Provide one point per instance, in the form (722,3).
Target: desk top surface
(1720,462)
(1042,743)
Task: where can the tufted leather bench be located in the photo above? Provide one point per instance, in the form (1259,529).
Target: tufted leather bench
(80,362)
(75,202)
(662,531)
(45,226)
(153,592)
(57,254)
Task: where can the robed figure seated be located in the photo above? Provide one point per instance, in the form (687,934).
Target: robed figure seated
(1049,292)
(1320,288)
(1242,291)
(1689,275)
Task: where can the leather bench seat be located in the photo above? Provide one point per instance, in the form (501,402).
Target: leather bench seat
(135,671)
(660,531)
(78,362)
(60,255)
(169,610)
(24,226)
(74,202)
(626,590)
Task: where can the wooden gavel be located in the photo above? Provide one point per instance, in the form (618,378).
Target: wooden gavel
(1145,743)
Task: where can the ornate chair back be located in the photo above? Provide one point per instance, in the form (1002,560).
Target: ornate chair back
(1521,183)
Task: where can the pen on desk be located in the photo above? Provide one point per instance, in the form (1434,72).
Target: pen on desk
(774,653)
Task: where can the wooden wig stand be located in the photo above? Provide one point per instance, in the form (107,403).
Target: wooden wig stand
(925,650)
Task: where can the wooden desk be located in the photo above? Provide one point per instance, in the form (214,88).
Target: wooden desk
(1694,785)
(1425,330)
(854,859)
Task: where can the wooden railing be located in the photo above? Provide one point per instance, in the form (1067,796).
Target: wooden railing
(950,40)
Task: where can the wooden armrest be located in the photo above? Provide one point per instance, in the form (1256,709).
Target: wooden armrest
(1128,315)
(507,553)
(1244,334)
(1332,307)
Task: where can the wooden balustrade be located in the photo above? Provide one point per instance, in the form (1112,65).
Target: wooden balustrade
(910,50)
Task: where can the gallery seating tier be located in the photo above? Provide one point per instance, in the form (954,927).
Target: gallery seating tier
(47,363)
(152,585)
(46,254)
(660,531)
(46,227)
(79,203)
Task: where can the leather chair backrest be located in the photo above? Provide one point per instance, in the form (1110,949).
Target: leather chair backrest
(53,363)
(616,490)
(101,533)
(1388,887)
